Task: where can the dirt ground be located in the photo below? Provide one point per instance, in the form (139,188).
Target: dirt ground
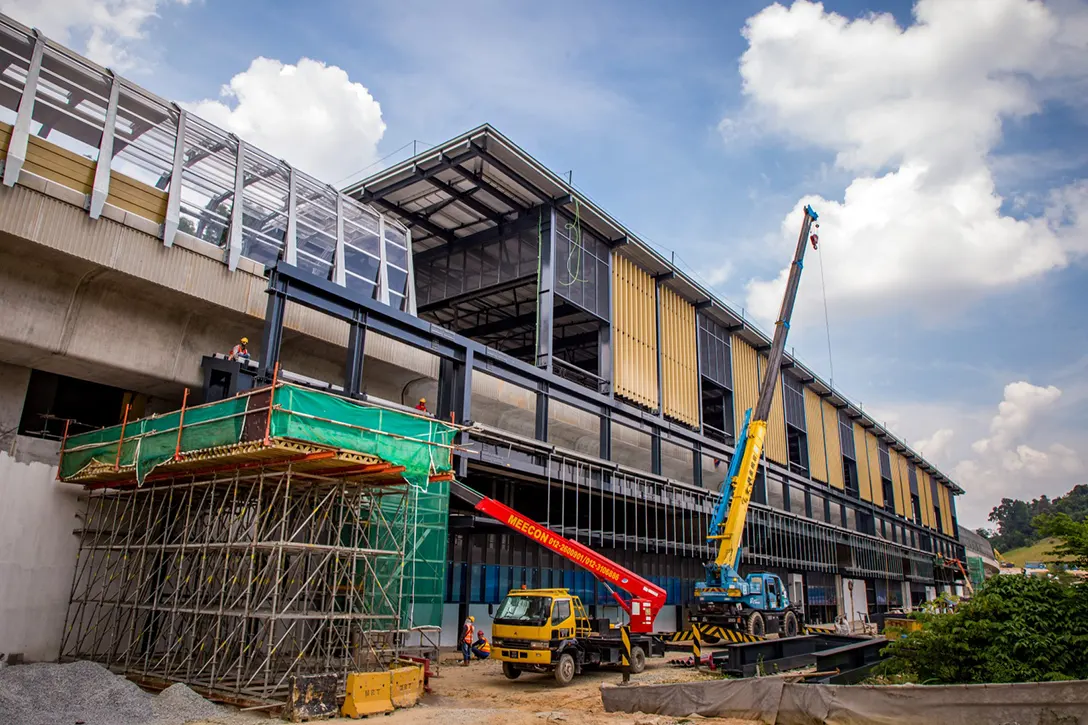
(480,695)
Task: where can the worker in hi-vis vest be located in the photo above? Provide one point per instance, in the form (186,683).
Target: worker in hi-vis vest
(467,632)
(240,352)
(481,648)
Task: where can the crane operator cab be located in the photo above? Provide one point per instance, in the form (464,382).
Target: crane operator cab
(548,630)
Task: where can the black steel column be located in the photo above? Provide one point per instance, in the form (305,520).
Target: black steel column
(655,451)
(697,465)
(606,437)
(353,369)
(455,400)
(272,337)
(545,294)
(604,336)
(541,429)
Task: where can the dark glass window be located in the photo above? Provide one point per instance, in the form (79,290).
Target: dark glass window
(715,361)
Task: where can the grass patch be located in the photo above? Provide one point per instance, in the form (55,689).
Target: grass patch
(1039,551)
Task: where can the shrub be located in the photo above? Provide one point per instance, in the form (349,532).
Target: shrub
(1015,629)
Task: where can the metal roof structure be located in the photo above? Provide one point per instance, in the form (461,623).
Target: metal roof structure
(481,181)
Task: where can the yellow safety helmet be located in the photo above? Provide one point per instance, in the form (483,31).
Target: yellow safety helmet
(423,400)
(472,619)
(245,340)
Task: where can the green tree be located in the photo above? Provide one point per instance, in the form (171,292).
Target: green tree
(1015,629)
(1072,536)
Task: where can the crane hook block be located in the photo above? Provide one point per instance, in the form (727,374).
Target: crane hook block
(811,212)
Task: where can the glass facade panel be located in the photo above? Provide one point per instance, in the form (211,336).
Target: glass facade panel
(715,361)
(581,266)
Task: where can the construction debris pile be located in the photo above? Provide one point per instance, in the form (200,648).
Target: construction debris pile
(49,694)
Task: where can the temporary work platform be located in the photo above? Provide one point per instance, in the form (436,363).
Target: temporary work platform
(233,545)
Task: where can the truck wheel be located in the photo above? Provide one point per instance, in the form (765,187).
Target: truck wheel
(510,670)
(789,625)
(564,669)
(756,627)
(638,660)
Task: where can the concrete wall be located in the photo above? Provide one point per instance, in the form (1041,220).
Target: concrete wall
(37,554)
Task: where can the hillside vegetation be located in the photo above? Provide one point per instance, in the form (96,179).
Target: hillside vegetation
(1039,551)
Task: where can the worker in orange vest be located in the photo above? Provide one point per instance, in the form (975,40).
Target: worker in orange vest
(240,352)
(481,648)
(467,632)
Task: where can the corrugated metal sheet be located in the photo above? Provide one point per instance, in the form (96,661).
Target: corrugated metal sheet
(745,379)
(817,454)
(872,454)
(865,485)
(679,359)
(635,309)
(834,450)
(776,422)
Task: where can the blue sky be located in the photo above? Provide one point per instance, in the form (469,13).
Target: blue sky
(945,143)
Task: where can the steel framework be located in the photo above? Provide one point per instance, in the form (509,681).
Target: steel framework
(234,584)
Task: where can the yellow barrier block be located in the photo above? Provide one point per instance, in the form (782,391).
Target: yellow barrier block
(899,627)
(407,685)
(368,693)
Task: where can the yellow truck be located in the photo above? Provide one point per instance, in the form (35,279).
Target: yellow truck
(548,630)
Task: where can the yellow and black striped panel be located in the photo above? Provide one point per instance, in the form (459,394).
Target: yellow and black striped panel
(721,634)
(818,629)
(817,454)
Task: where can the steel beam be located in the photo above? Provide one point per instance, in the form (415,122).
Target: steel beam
(465,199)
(353,370)
(237,207)
(415,220)
(486,186)
(101,188)
(173,195)
(420,175)
(290,241)
(545,298)
(20,131)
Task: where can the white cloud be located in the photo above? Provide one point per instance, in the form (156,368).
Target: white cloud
(1019,458)
(913,114)
(310,114)
(108,29)
(936,447)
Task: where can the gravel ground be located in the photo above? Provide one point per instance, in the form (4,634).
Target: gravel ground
(85,693)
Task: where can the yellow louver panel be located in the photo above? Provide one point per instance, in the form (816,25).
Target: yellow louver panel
(865,486)
(902,503)
(679,360)
(60,165)
(872,452)
(776,423)
(946,509)
(925,498)
(817,456)
(745,379)
(635,329)
(834,450)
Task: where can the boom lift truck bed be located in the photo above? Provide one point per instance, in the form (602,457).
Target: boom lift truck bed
(548,630)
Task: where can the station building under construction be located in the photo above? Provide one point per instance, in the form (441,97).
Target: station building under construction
(570,371)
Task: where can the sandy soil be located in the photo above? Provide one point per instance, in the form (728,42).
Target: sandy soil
(480,695)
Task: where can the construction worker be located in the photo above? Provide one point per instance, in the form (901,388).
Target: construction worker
(240,352)
(421,406)
(481,648)
(467,632)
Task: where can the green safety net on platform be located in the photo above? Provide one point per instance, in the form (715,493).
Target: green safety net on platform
(418,444)
(975,570)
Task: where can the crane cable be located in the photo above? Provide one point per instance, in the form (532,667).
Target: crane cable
(827,321)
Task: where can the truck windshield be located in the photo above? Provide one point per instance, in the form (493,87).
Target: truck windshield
(524,609)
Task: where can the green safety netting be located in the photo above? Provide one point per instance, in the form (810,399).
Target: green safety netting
(418,444)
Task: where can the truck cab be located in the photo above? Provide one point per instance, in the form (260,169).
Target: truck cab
(757,604)
(548,630)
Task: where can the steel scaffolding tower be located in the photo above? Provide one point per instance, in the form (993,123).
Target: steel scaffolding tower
(234,584)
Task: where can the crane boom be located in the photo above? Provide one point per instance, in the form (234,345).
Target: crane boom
(737,493)
(604,569)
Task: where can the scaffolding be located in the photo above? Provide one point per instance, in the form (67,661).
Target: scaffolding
(236,545)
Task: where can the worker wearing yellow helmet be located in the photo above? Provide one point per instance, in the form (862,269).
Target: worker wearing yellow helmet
(468,634)
(240,351)
(421,406)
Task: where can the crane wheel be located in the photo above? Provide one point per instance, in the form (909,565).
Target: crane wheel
(510,671)
(789,625)
(756,626)
(638,660)
(564,669)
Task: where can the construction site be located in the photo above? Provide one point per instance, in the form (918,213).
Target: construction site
(277,449)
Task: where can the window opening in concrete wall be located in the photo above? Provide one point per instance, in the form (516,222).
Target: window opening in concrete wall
(51,398)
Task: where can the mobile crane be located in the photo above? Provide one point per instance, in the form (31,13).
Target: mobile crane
(759,602)
(548,630)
